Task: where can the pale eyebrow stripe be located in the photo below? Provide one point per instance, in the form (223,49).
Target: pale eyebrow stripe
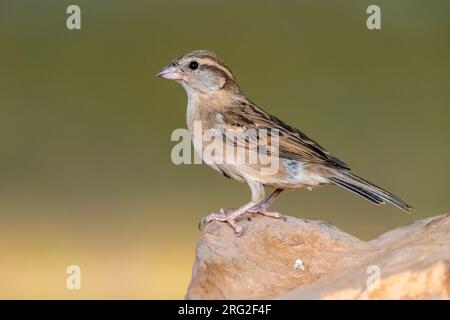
(214,63)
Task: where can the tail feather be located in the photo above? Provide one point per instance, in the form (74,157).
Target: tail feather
(368,190)
(358,190)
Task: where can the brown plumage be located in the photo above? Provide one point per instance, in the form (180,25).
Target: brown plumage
(238,126)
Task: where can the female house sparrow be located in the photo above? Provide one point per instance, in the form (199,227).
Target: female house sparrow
(216,103)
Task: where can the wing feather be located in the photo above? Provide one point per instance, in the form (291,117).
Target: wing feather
(293,144)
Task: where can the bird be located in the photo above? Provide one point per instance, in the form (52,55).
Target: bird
(217,105)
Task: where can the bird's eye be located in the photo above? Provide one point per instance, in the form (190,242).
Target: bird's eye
(193,65)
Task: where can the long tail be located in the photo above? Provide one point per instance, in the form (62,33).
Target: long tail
(364,188)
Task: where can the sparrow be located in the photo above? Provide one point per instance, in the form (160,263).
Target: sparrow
(217,105)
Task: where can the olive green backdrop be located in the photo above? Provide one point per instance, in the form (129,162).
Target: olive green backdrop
(85,170)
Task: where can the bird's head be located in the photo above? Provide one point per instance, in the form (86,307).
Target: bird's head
(201,71)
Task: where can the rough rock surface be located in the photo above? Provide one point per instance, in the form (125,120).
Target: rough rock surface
(309,259)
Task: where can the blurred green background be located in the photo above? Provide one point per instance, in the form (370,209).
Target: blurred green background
(86,176)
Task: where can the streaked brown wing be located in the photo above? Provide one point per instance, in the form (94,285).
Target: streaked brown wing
(293,144)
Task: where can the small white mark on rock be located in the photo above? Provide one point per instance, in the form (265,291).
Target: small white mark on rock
(298,264)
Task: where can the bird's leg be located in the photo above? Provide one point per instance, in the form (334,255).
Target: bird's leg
(230,217)
(262,207)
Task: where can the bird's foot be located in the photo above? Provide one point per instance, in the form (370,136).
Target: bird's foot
(222,216)
(263,210)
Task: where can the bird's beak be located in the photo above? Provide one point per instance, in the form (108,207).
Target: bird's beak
(170,72)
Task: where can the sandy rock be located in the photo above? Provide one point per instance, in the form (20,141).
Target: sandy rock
(309,259)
